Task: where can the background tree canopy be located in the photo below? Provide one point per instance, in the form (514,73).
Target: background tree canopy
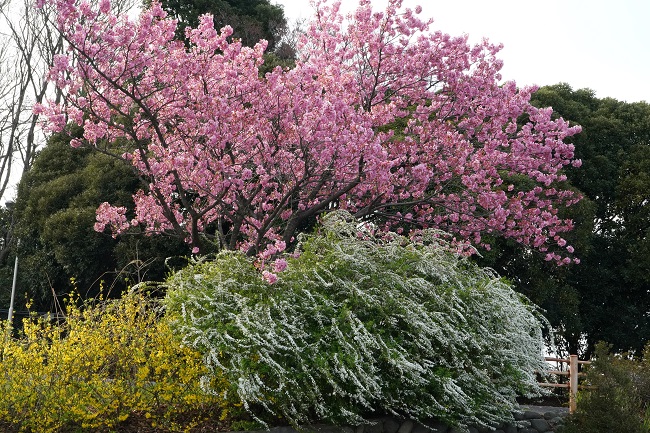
(605,297)
(54,217)
(251,20)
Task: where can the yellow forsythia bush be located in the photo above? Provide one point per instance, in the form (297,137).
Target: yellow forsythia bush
(106,364)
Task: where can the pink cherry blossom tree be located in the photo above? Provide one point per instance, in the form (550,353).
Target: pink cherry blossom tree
(381,116)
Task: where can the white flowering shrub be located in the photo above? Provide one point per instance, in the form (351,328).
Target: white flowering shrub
(360,326)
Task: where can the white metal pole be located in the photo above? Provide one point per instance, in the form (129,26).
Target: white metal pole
(573,382)
(13,291)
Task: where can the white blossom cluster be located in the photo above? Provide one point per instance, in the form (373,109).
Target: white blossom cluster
(360,326)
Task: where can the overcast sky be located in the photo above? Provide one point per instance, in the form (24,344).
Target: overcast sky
(600,44)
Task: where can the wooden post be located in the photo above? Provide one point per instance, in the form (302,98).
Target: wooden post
(573,382)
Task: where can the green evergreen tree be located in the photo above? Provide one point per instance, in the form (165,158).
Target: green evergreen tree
(55,215)
(607,296)
(251,20)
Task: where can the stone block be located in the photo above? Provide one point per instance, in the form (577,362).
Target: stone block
(556,421)
(530,414)
(419,428)
(541,425)
(391,425)
(406,427)
(523,424)
(438,427)
(556,412)
(375,426)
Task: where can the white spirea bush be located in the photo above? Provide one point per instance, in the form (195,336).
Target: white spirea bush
(360,326)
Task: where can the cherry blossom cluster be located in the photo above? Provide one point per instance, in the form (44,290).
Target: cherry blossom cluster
(381,116)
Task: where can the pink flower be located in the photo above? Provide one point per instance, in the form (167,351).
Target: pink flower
(38,109)
(105,6)
(279,265)
(269,277)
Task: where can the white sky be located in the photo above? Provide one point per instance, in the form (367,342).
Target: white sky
(600,44)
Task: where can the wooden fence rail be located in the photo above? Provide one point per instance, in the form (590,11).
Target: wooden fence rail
(573,375)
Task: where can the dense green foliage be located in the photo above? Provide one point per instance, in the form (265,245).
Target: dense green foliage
(620,401)
(251,20)
(54,218)
(605,297)
(359,325)
(105,365)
